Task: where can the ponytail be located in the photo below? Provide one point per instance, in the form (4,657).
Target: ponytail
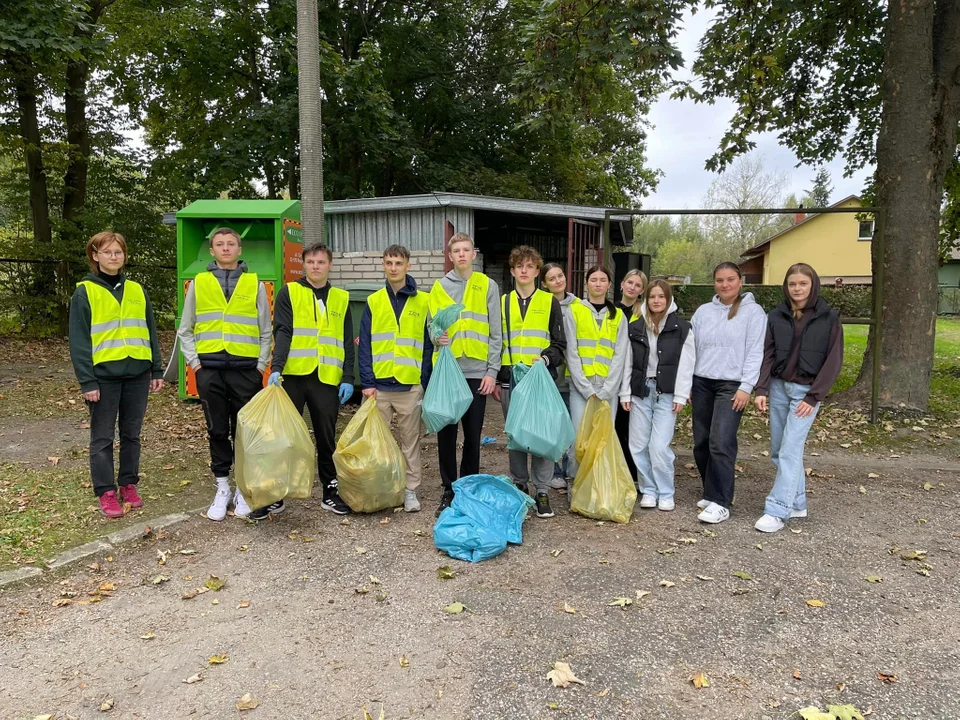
(735,306)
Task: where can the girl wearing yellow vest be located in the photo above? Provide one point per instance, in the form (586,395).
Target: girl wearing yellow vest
(596,349)
(314,350)
(116,357)
(225,337)
(475,340)
(632,287)
(532,332)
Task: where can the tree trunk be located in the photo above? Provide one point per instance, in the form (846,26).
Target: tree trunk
(311,137)
(918,133)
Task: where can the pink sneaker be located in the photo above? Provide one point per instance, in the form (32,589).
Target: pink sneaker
(128,494)
(109,505)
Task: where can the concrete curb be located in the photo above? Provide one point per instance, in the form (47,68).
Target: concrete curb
(98,547)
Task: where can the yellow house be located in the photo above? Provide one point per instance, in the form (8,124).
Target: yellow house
(837,245)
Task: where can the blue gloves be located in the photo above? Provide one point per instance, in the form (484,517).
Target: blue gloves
(346,392)
(274,379)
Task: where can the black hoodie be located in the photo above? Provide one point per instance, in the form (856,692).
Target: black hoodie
(81,348)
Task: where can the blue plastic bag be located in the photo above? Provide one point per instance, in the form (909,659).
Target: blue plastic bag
(448,395)
(538,421)
(487,513)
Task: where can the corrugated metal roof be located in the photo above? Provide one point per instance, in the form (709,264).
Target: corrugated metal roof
(356,230)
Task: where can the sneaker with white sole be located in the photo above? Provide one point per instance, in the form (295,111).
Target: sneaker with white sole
(769,524)
(798,513)
(410,502)
(557,482)
(714,514)
(648,501)
(218,508)
(666,504)
(702,504)
(240,507)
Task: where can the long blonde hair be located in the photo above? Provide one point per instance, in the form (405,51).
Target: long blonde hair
(638,303)
(654,324)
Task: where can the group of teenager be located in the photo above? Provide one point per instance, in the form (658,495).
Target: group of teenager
(639,355)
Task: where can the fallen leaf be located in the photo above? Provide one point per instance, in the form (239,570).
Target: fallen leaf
(454,608)
(62,602)
(106,705)
(243,604)
(162,556)
(160,579)
(862,490)
(562,676)
(796,531)
(54,460)
(385,521)
(218,659)
(816,603)
(845,712)
(742,575)
(148,636)
(666,584)
(873,476)
(419,533)
(888,678)
(193,679)
(360,550)
(704,577)
(621,602)
(928,486)
(700,680)
(345,521)
(107,587)
(688,541)
(445,573)
(214,583)
(184,483)
(361,590)
(796,674)
(187,552)
(641,594)
(709,533)
(43,717)
(381,716)
(404,663)
(556,553)
(569,609)
(166,467)
(874,579)
(814,713)
(375,580)
(247,702)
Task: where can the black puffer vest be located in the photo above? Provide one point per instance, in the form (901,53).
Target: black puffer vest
(669,345)
(814,341)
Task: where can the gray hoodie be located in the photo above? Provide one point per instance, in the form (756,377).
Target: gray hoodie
(563,382)
(473,369)
(228,283)
(730,349)
(688,356)
(606,388)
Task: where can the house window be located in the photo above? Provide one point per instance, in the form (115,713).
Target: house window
(866,230)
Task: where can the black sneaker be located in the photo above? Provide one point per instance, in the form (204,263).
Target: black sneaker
(445,501)
(334,503)
(262,513)
(543,506)
(522,487)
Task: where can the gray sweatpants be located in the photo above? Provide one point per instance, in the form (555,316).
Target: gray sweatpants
(540,468)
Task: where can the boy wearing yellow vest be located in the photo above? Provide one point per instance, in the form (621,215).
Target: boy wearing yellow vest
(225,337)
(395,357)
(532,332)
(475,340)
(116,357)
(313,349)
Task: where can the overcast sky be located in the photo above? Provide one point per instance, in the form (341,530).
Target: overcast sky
(685,134)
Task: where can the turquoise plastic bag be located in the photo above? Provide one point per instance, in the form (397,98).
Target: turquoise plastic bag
(447,396)
(538,421)
(463,538)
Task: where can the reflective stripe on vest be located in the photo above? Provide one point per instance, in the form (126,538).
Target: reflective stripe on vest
(528,335)
(118,330)
(397,349)
(232,326)
(470,334)
(595,345)
(317,342)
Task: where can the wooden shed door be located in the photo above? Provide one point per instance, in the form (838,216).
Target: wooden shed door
(583,251)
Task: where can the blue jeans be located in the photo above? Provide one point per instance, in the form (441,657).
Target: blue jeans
(652,423)
(788,435)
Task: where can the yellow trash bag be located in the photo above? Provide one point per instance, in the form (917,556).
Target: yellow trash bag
(371,471)
(276,458)
(603,488)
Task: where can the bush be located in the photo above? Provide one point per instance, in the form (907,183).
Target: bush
(852,301)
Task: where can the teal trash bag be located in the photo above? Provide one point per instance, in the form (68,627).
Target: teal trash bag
(538,421)
(448,395)
(464,538)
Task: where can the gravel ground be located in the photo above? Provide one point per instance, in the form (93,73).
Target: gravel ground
(310,645)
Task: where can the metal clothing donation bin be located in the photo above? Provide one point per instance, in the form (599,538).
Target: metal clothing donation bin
(271,244)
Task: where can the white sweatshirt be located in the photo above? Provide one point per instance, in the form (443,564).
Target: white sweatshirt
(730,349)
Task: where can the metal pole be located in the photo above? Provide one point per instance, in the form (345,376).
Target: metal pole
(606,233)
(878,316)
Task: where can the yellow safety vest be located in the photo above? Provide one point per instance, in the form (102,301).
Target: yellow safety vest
(317,342)
(227,326)
(470,334)
(527,336)
(595,345)
(118,330)
(397,349)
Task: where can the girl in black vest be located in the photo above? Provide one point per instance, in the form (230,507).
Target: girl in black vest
(661,360)
(632,288)
(802,356)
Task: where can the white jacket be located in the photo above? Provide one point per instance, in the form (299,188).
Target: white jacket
(730,349)
(688,358)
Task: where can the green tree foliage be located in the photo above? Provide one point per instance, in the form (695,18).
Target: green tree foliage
(819,194)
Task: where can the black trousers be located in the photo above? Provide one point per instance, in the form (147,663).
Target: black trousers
(222,394)
(324,405)
(715,426)
(472,422)
(125,400)
(622,426)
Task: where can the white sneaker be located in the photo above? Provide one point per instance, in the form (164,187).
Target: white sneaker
(714,514)
(558,483)
(702,504)
(769,524)
(410,502)
(666,505)
(218,508)
(240,507)
(648,501)
(798,513)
